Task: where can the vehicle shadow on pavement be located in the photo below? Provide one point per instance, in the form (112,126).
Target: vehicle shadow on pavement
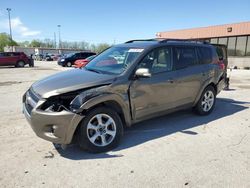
(160,127)
(13,67)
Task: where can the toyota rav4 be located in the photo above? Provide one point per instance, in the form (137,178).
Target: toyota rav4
(125,84)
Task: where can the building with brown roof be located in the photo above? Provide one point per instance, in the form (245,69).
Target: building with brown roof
(235,36)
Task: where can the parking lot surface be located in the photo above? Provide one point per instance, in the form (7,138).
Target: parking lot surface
(177,150)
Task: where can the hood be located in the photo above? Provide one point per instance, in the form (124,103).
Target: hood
(68,81)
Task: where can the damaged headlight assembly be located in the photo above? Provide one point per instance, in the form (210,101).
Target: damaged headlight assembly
(71,101)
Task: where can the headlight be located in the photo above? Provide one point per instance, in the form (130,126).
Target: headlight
(62,60)
(58,103)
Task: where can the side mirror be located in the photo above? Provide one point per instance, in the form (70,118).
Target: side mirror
(143,73)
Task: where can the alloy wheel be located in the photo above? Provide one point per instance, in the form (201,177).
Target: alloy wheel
(101,130)
(207,101)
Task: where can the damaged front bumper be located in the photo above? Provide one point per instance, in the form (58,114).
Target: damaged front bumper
(57,127)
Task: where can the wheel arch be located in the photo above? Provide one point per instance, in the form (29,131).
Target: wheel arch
(20,60)
(203,88)
(111,101)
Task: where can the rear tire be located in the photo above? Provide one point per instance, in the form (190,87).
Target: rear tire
(20,64)
(206,102)
(100,131)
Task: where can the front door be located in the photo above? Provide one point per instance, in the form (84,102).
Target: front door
(155,94)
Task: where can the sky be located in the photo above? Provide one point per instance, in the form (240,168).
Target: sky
(114,21)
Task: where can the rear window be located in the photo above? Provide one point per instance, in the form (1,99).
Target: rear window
(205,55)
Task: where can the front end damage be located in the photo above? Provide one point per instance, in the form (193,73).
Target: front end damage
(56,118)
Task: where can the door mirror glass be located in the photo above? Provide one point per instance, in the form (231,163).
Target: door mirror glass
(143,72)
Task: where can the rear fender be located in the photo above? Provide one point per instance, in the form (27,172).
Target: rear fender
(205,84)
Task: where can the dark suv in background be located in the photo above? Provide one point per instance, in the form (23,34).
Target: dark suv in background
(123,85)
(69,59)
(17,59)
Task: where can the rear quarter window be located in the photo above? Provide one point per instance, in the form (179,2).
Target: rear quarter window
(205,55)
(221,52)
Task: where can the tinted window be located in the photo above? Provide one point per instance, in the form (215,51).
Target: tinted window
(159,60)
(6,54)
(184,57)
(241,46)
(205,55)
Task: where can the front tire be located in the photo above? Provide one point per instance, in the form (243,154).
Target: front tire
(100,131)
(206,102)
(69,64)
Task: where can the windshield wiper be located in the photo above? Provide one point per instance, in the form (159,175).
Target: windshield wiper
(93,70)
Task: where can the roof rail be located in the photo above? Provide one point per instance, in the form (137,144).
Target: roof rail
(184,40)
(164,40)
(140,40)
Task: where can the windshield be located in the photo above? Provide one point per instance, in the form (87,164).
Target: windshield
(114,60)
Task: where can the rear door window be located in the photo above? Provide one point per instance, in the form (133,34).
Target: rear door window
(205,55)
(184,57)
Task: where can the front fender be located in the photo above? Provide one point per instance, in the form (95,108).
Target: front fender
(122,102)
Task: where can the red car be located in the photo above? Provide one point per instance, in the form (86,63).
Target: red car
(18,59)
(83,62)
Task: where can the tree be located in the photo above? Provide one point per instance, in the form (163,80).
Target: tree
(99,47)
(48,43)
(24,43)
(5,40)
(35,43)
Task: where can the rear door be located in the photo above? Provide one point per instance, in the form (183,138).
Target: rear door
(189,74)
